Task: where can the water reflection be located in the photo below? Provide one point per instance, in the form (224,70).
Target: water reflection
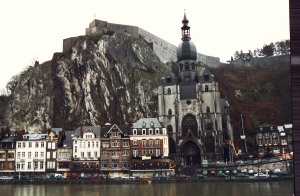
(161,189)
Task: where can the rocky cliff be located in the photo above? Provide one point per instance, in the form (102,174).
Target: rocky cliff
(107,78)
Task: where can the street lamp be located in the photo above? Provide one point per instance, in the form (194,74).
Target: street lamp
(243,137)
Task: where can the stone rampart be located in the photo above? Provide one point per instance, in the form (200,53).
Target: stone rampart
(263,61)
(163,49)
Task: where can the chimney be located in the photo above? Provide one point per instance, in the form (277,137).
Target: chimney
(81,131)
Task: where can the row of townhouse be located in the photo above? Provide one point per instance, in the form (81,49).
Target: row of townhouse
(274,140)
(113,150)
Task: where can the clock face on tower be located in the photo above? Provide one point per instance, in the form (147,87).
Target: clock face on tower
(187,78)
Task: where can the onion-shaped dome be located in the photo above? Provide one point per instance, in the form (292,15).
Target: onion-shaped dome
(186,50)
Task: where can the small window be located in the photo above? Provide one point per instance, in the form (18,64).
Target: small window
(207,109)
(206,88)
(170,112)
(193,66)
(181,66)
(151,131)
(169,91)
(134,132)
(186,66)
(144,131)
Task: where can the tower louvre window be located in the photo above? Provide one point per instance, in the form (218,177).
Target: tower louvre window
(170,112)
(186,66)
(169,91)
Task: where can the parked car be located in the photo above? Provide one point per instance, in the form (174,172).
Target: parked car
(201,177)
(161,177)
(221,175)
(241,175)
(128,177)
(85,178)
(6,177)
(183,177)
(37,178)
(283,174)
(25,178)
(261,175)
(56,176)
(73,176)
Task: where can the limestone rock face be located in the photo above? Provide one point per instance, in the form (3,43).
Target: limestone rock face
(108,78)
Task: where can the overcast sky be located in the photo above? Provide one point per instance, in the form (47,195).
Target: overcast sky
(35,29)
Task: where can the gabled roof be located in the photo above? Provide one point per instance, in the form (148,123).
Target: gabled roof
(123,129)
(57,130)
(94,129)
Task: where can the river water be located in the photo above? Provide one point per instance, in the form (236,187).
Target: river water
(281,188)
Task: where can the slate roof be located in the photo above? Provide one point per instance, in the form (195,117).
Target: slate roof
(68,142)
(123,128)
(94,129)
(147,121)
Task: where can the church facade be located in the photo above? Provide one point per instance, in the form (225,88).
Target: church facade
(191,109)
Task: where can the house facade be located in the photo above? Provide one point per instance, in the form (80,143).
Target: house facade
(8,150)
(149,148)
(115,150)
(31,154)
(86,150)
(273,141)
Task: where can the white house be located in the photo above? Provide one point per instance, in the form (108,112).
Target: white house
(86,144)
(31,153)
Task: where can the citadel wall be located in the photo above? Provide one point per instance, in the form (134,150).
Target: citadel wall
(264,61)
(163,49)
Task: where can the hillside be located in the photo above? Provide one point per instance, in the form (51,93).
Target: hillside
(262,94)
(108,78)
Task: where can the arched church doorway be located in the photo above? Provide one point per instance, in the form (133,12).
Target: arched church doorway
(191,153)
(189,122)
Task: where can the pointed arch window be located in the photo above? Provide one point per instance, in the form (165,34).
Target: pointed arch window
(170,112)
(194,66)
(206,88)
(207,109)
(186,66)
(181,66)
(169,91)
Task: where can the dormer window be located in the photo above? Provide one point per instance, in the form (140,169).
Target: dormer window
(144,124)
(152,124)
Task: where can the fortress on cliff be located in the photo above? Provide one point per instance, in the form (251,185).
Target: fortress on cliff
(163,49)
(166,51)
